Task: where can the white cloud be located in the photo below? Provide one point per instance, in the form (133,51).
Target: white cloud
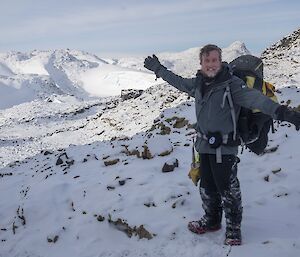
(89,18)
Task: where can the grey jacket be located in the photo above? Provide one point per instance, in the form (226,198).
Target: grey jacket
(213,110)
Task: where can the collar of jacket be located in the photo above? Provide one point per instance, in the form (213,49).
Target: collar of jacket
(206,84)
(224,74)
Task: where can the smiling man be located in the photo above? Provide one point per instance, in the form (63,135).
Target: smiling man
(219,96)
(210,61)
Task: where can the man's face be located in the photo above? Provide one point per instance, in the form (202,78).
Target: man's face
(210,63)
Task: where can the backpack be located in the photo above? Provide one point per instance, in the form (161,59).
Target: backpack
(253,126)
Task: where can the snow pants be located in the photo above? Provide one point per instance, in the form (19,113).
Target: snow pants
(220,189)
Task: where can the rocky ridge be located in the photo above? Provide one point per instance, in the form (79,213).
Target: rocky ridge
(282,60)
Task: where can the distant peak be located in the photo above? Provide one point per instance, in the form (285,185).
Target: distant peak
(238,45)
(235,50)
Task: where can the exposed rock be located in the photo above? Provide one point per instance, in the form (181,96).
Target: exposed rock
(275,171)
(59,161)
(64,160)
(146,154)
(133,152)
(165,153)
(53,240)
(267,178)
(5,174)
(111,162)
(180,123)
(90,157)
(143,233)
(164,130)
(150,204)
(170,99)
(47,152)
(130,93)
(170,165)
(123,226)
(100,218)
(282,194)
(122,182)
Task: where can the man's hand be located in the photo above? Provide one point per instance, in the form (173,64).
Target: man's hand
(152,63)
(285,114)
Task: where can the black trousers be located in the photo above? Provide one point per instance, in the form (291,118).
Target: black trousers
(220,189)
(216,177)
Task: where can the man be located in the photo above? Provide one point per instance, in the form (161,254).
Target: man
(217,141)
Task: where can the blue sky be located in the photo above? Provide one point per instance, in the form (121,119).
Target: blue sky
(142,27)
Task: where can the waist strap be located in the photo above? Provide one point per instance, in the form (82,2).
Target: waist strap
(226,139)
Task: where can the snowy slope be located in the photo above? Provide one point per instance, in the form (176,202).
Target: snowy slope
(59,203)
(70,168)
(282,60)
(59,121)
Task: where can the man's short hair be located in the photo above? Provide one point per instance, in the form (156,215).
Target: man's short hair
(205,50)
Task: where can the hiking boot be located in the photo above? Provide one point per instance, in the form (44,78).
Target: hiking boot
(233,236)
(202,226)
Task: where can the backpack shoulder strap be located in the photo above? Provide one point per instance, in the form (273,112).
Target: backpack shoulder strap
(227,95)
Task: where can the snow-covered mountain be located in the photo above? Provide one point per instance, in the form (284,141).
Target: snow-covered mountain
(22,88)
(88,177)
(36,75)
(282,60)
(185,63)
